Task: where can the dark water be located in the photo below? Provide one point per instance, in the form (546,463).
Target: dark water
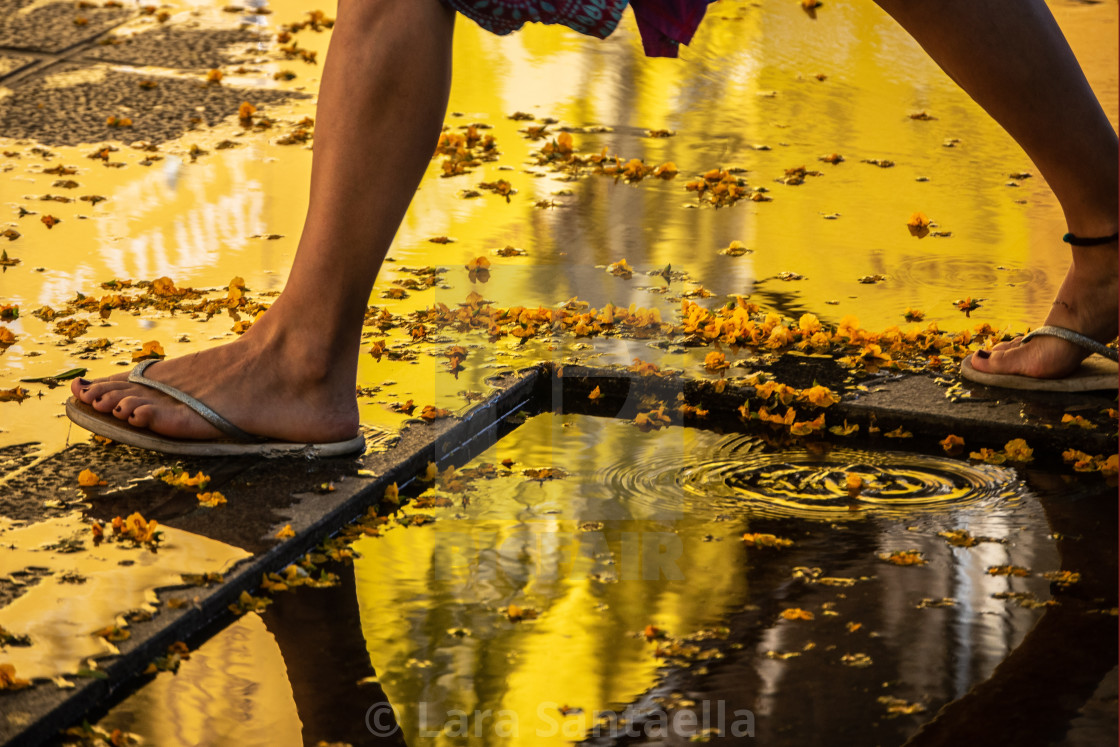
(646,530)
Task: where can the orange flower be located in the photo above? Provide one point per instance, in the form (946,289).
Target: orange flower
(1018,451)
(8,679)
(715,362)
(211,499)
(621,269)
(150,349)
(952,445)
(904,557)
(787,419)
(918,225)
(796,613)
(809,324)
(806,427)
(87,478)
(820,396)
(766,540)
(854,483)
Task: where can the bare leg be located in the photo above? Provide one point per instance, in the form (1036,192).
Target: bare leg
(1011,58)
(292,375)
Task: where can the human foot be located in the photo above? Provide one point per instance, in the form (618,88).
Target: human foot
(262,383)
(1086,303)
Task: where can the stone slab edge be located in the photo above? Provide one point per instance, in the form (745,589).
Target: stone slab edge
(35,715)
(914,402)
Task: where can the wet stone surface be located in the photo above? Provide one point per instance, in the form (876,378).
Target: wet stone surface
(77,113)
(10,63)
(75,88)
(13,586)
(56,26)
(179,47)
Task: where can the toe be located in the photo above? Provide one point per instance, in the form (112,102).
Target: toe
(1008,344)
(998,361)
(125,406)
(78,386)
(1042,358)
(109,398)
(91,391)
(174,418)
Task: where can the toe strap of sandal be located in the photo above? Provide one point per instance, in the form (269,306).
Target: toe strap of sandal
(137,377)
(1082,341)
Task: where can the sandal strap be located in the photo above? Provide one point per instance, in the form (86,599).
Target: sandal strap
(137,377)
(1076,338)
(1073,240)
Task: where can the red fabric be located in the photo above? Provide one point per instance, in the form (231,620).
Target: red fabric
(663,24)
(666,24)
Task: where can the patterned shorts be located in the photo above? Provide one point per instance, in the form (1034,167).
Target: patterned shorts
(663,24)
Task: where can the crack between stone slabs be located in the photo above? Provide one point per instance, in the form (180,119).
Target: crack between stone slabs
(47,60)
(71,705)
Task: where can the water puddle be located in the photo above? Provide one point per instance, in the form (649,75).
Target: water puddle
(547,591)
(79,587)
(236,678)
(814,486)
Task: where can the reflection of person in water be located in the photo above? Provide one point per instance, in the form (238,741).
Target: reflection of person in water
(291,377)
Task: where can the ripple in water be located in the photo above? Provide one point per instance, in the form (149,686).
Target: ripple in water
(737,475)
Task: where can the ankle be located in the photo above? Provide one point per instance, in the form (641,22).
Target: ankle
(1095,226)
(1097,264)
(305,356)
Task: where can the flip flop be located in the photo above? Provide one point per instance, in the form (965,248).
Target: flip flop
(238,443)
(1098,372)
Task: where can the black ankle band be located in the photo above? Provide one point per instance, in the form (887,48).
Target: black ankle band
(1069,238)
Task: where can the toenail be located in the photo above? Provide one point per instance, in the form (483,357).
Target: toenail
(983,354)
(83,382)
(117,408)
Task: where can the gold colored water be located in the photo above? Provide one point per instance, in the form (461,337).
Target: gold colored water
(84,587)
(749,81)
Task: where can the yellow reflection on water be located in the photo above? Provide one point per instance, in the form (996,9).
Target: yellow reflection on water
(233,690)
(762,88)
(597,565)
(85,587)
